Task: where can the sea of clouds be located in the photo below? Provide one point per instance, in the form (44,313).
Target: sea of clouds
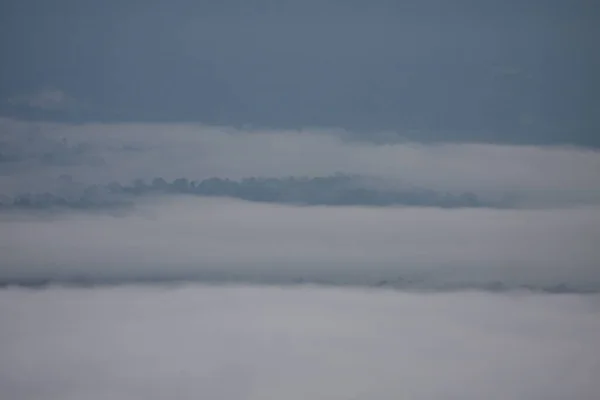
(535,221)
(227,342)
(289,295)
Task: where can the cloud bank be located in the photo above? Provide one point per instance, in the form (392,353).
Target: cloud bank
(179,238)
(34,155)
(258,343)
(542,234)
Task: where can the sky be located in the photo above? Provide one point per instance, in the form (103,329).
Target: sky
(494,71)
(259,199)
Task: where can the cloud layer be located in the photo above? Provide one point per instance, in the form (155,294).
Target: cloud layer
(261,343)
(220,239)
(34,155)
(546,241)
(425,150)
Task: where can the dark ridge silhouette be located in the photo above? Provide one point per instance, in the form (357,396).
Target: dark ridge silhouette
(400,284)
(338,190)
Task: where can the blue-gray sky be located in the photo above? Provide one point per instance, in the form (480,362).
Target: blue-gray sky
(492,71)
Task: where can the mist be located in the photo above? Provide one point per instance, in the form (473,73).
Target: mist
(179,238)
(259,342)
(35,155)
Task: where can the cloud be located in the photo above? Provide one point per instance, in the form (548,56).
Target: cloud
(549,241)
(100,153)
(256,343)
(48,99)
(217,239)
(336,190)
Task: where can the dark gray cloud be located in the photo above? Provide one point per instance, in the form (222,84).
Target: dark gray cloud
(331,190)
(491,71)
(256,343)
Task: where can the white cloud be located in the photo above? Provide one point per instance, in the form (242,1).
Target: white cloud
(185,237)
(129,151)
(268,343)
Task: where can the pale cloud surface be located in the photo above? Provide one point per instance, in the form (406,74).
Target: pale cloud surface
(272,343)
(229,240)
(249,199)
(119,241)
(99,153)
